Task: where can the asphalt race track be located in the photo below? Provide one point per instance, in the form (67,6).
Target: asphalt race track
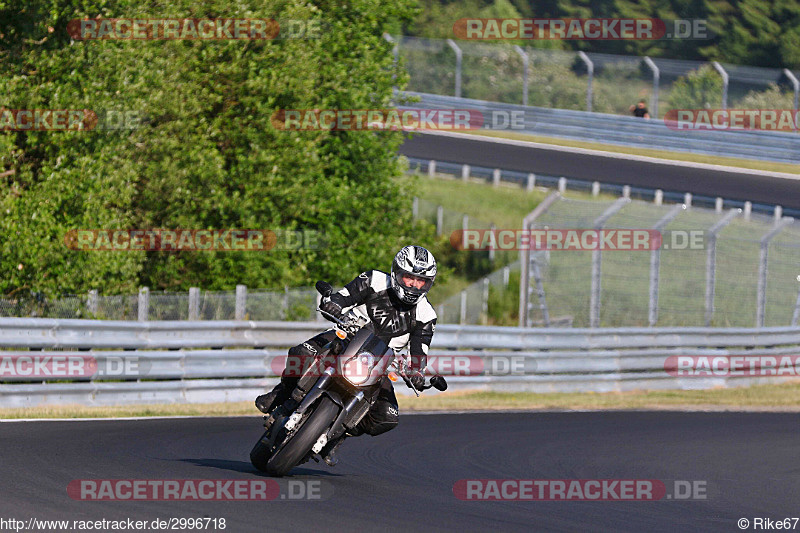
(765,188)
(403,480)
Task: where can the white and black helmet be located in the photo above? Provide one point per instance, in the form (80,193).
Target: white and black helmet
(417,262)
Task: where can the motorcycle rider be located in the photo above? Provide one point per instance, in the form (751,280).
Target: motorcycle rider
(401,315)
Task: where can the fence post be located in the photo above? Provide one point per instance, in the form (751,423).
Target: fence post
(724,76)
(526,257)
(590,69)
(285,302)
(415,208)
(594,297)
(439,220)
(796,314)
(496,177)
(457,50)
(711,261)
(762,269)
(144,304)
(492,251)
(395,53)
(524,57)
(485,303)
(462,318)
(465,172)
(795,83)
(241,302)
(656,79)
(91,302)
(537,278)
(506,274)
(655,264)
(531,182)
(194,303)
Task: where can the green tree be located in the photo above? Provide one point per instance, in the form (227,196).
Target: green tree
(701,88)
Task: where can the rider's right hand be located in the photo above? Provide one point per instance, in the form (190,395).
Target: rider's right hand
(331,307)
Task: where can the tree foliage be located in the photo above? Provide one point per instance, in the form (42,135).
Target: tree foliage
(205,155)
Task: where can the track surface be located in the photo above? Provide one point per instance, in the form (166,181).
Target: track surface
(738,185)
(403,480)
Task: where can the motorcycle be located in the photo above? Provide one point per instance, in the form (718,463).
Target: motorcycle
(326,403)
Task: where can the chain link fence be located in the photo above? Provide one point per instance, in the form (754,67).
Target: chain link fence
(605,83)
(713,268)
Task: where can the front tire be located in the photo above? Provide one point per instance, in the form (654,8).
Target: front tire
(300,444)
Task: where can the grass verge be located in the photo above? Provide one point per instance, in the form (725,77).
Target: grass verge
(778,397)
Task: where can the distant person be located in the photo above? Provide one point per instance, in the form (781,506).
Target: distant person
(640,110)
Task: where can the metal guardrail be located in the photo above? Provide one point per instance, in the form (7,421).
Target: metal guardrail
(622,130)
(246,357)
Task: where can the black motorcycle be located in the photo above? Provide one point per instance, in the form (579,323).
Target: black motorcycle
(333,395)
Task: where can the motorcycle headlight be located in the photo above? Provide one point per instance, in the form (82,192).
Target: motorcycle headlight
(356,370)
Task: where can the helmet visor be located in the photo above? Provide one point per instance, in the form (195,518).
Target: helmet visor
(413,283)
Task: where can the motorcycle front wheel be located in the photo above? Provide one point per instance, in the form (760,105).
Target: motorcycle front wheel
(300,444)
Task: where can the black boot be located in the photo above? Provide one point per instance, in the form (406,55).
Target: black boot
(269,401)
(328,453)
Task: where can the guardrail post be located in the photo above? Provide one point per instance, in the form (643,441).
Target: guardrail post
(590,69)
(718,205)
(241,302)
(91,302)
(626,191)
(432,168)
(687,199)
(562,184)
(465,172)
(525,67)
(457,50)
(594,297)
(531,182)
(144,304)
(496,177)
(656,79)
(795,83)
(595,188)
(658,199)
(194,303)
(762,269)
(748,208)
(724,76)
(655,264)
(711,261)
(415,208)
(778,213)
(439,220)
(462,316)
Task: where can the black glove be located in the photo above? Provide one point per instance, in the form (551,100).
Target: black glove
(331,307)
(417,379)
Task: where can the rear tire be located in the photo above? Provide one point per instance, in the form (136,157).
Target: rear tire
(300,444)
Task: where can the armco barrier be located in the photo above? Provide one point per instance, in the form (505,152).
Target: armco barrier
(201,362)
